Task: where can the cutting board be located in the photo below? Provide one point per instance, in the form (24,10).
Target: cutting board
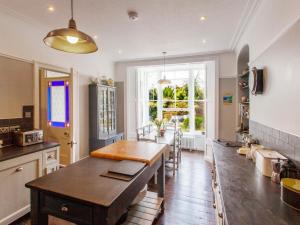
(146,152)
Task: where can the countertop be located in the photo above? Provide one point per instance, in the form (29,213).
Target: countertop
(248,196)
(16,151)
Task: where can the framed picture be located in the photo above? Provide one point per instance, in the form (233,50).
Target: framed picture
(227,99)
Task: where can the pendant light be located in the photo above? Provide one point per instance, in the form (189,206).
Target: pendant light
(164,80)
(70,39)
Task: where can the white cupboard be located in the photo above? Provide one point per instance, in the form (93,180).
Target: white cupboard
(15,173)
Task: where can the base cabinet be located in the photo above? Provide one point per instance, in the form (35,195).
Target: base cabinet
(14,174)
(217,199)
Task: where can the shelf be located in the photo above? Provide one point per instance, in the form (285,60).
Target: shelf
(244,103)
(146,211)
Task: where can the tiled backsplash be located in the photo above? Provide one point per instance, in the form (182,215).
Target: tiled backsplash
(7,126)
(287,144)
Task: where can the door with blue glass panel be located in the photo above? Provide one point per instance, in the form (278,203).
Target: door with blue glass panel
(56,111)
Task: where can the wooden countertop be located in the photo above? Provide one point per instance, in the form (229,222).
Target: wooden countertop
(11,152)
(248,196)
(146,152)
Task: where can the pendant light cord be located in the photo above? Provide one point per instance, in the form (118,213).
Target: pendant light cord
(164,64)
(72,9)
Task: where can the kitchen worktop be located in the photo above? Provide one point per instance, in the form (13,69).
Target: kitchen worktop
(248,196)
(16,151)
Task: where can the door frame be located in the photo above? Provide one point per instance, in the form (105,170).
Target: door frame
(36,84)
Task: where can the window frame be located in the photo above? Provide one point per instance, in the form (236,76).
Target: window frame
(191,97)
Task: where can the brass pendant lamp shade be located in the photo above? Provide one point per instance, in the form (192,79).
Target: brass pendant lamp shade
(164,80)
(70,39)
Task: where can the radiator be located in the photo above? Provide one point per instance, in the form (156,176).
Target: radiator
(193,142)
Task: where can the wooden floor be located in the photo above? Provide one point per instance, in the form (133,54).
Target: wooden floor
(188,199)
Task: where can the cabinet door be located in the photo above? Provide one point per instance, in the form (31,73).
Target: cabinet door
(112,110)
(14,196)
(102,111)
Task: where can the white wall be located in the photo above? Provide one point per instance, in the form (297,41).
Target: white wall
(23,39)
(226,67)
(270,20)
(273,36)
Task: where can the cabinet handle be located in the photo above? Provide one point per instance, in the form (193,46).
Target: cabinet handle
(64,208)
(19,169)
(51,157)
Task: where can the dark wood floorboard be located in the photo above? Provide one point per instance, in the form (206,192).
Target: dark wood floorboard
(188,199)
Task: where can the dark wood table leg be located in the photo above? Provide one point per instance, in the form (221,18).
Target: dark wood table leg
(161,181)
(37,218)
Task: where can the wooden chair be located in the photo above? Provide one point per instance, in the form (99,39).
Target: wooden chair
(174,158)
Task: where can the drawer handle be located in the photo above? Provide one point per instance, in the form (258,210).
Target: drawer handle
(51,157)
(19,169)
(64,208)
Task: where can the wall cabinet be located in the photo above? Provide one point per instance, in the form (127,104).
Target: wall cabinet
(14,174)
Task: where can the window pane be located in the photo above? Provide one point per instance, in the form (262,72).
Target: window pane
(168,93)
(182,117)
(153,94)
(182,104)
(199,80)
(58,104)
(152,110)
(168,104)
(199,116)
(182,91)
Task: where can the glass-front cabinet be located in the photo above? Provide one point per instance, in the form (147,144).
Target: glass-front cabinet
(102,115)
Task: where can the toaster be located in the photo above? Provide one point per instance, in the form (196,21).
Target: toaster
(25,138)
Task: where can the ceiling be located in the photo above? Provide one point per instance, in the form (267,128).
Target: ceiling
(163,25)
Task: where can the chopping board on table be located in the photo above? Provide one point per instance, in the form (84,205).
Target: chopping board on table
(145,152)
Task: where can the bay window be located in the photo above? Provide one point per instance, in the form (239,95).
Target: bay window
(182,101)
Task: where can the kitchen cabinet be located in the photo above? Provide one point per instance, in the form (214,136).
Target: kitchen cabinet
(217,199)
(102,116)
(15,173)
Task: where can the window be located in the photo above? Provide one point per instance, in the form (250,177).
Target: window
(182,101)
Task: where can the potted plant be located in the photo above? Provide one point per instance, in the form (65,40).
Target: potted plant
(160,130)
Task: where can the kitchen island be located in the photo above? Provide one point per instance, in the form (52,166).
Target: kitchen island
(247,196)
(80,194)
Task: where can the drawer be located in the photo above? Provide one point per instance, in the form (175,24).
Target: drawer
(50,156)
(68,209)
(50,168)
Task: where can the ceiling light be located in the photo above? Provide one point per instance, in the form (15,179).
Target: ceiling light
(95,37)
(70,39)
(51,8)
(202,18)
(204,41)
(120,51)
(133,15)
(164,80)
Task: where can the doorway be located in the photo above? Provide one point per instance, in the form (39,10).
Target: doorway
(56,111)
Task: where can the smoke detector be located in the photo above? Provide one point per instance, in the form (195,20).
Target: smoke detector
(133,15)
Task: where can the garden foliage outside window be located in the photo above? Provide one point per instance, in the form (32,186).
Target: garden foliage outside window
(182,101)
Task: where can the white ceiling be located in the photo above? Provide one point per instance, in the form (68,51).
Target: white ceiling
(164,25)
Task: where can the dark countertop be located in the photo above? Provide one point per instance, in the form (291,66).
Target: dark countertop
(248,196)
(16,151)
